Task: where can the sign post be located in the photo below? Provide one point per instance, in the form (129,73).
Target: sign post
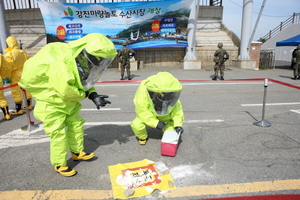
(262,122)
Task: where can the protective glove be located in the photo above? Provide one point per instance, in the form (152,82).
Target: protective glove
(99,100)
(160,125)
(179,129)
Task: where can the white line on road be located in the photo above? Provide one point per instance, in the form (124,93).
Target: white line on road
(296,111)
(19,137)
(94,109)
(204,121)
(128,123)
(190,83)
(272,104)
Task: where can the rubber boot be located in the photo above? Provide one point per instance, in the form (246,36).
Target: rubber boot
(142,142)
(19,110)
(6,113)
(65,170)
(29,103)
(82,156)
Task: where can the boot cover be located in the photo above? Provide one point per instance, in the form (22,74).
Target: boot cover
(142,142)
(18,111)
(29,103)
(6,113)
(65,170)
(82,156)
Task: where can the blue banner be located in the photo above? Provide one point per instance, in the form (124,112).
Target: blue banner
(144,24)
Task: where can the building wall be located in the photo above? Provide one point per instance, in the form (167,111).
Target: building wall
(24,17)
(283,53)
(212,12)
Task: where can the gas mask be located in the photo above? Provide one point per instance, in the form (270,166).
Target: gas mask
(163,102)
(90,68)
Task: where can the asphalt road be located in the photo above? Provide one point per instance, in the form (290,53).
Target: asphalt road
(221,152)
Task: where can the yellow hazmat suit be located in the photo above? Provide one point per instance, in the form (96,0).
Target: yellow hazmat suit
(16,58)
(146,112)
(3,102)
(57,82)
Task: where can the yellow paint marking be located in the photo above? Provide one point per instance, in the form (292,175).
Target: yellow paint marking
(235,188)
(187,191)
(56,194)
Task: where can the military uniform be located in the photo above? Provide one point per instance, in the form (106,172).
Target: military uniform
(220,57)
(296,65)
(124,58)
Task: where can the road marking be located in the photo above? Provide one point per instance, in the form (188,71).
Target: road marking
(19,137)
(272,104)
(235,188)
(227,83)
(188,84)
(94,109)
(106,123)
(187,191)
(128,123)
(204,121)
(296,111)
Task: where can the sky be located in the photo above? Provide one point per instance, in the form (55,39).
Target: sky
(274,12)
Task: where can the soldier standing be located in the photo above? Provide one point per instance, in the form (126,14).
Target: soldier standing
(125,54)
(220,57)
(296,61)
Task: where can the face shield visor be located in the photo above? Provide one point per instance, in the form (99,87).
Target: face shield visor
(90,68)
(163,102)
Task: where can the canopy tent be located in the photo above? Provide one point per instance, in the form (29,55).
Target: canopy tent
(293,41)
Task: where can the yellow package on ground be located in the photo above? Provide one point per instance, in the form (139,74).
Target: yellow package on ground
(139,179)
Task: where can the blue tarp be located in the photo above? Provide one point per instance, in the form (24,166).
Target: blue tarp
(293,41)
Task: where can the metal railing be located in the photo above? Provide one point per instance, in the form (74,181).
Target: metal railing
(294,19)
(29,4)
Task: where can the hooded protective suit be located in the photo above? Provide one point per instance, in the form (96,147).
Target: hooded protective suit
(52,77)
(146,112)
(15,57)
(3,102)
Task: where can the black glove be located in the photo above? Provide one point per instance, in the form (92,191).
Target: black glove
(99,100)
(179,129)
(160,125)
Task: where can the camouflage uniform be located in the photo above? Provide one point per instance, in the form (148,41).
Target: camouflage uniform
(296,61)
(220,57)
(124,59)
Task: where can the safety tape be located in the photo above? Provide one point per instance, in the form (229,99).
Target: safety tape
(6,87)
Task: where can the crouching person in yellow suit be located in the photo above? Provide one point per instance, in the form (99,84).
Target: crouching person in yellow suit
(15,59)
(157,105)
